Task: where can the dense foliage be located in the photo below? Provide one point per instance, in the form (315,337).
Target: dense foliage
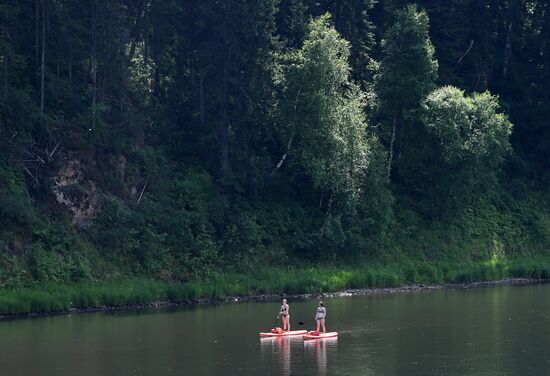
(175,139)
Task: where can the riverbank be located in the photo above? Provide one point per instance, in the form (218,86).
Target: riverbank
(271,283)
(273,297)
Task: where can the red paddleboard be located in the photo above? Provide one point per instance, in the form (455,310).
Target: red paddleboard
(311,335)
(284,334)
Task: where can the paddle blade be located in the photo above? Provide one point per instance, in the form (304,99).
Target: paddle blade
(301,323)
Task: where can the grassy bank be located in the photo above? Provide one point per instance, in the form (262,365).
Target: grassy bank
(55,298)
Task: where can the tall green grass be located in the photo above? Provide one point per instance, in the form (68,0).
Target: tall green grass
(58,298)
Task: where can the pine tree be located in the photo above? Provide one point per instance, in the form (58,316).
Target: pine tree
(292,22)
(407,74)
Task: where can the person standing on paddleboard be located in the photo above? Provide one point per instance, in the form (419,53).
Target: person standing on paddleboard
(284,313)
(320,317)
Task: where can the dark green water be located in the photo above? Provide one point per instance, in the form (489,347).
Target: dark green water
(492,331)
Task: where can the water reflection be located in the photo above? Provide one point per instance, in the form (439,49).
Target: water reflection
(317,349)
(278,348)
(293,353)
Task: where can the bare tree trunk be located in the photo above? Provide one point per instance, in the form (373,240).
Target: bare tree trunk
(201,99)
(57,63)
(111,39)
(136,30)
(6,76)
(507,49)
(37,32)
(156,47)
(225,123)
(467,51)
(390,158)
(225,169)
(141,194)
(400,134)
(284,155)
(70,67)
(94,64)
(43,59)
(290,139)
(123,70)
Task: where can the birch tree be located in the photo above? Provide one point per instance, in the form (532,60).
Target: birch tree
(320,116)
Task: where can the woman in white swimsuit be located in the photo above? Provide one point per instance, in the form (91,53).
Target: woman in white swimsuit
(320,317)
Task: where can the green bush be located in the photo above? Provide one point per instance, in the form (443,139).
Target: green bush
(49,266)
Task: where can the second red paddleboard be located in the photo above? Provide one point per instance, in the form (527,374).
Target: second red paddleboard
(310,335)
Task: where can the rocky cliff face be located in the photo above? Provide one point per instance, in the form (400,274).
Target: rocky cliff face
(74,189)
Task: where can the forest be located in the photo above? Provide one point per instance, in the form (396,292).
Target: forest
(180,141)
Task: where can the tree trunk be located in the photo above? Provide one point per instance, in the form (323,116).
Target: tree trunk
(284,155)
(225,168)
(94,63)
(399,135)
(37,32)
(43,59)
(135,33)
(467,51)
(70,67)
(225,123)
(291,137)
(6,76)
(201,99)
(392,141)
(507,51)
(57,64)
(156,48)
(110,37)
(123,70)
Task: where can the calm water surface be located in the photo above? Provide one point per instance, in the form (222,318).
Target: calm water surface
(492,331)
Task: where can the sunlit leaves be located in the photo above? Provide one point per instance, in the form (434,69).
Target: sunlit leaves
(468,127)
(322,111)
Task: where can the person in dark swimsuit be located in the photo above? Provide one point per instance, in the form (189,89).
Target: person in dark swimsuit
(284,313)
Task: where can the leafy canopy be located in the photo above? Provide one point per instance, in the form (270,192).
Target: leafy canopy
(321,112)
(408,69)
(469,128)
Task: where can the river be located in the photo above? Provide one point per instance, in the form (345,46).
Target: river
(486,331)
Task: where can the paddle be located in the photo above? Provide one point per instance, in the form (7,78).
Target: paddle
(275,323)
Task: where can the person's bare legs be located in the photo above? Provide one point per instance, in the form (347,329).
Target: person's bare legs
(286,323)
(318,323)
(323,325)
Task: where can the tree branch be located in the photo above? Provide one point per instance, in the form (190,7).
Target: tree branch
(54,149)
(141,194)
(284,155)
(467,51)
(28,172)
